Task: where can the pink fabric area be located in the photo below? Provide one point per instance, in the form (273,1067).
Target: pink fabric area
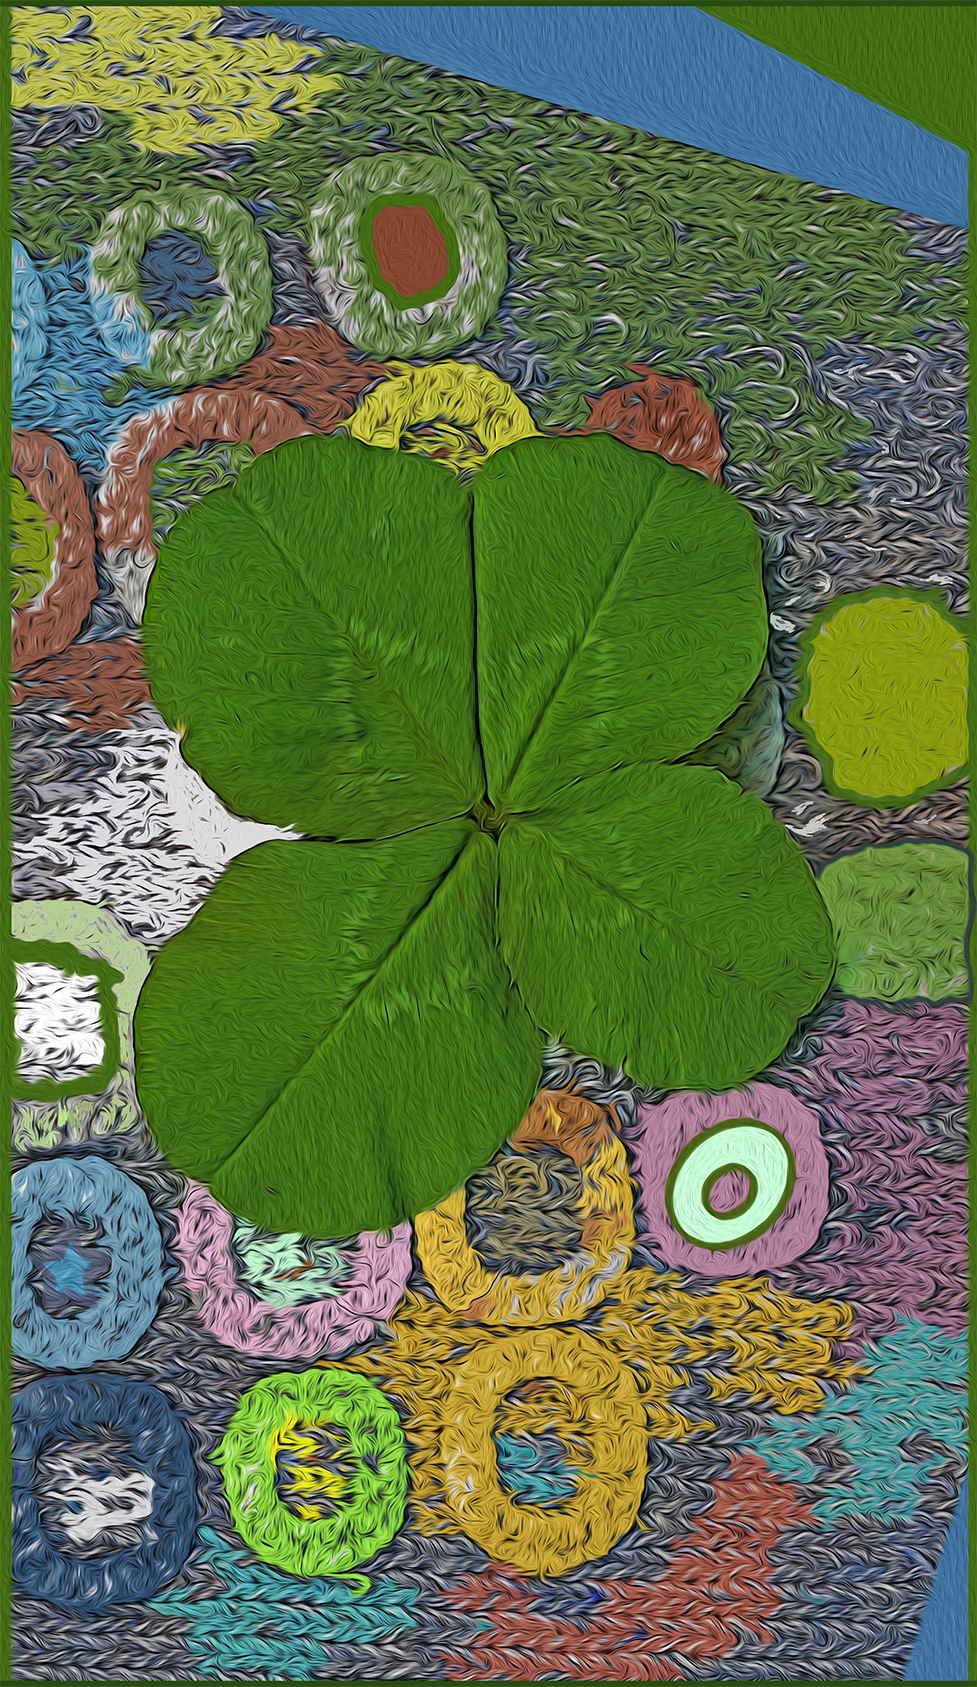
(664,1128)
(895,1245)
(379,1268)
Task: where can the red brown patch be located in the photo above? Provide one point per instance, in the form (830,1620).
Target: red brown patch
(664,414)
(724,1582)
(102,684)
(411,252)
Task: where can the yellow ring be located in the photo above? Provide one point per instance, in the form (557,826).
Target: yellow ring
(454,402)
(605,1407)
(583,1131)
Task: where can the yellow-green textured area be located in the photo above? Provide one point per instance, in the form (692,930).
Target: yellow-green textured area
(900,918)
(164,69)
(31,545)
(888,698)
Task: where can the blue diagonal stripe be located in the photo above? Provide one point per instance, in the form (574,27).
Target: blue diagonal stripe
(676,72)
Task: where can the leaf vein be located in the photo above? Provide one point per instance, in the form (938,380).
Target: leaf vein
(364,988)
(670,922)
(571,661)
(365,662)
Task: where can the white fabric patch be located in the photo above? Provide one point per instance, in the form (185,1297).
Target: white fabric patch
(57,1023)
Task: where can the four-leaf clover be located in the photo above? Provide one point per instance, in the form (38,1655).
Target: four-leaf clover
(470,700)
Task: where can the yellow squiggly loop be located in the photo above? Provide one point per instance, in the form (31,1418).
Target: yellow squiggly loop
(309,1481)
(430,1351)
(599,1397)
(457,413)
(578,1389)
(160,66)
(583,1131)
(771,1346)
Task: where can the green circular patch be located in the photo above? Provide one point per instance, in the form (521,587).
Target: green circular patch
(737,1145)
(371,1500)
(221,334)
(32,545)
(900,918)
(883,696)
(82,940)
(362,277)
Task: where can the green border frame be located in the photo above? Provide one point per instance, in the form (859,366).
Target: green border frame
(444,228)
(75,964)
(9,1049)
(935,600)
(920,66)
(692,1147)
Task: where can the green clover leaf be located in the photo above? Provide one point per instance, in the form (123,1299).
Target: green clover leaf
(469,699)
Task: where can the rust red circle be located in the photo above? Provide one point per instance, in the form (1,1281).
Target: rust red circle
(411,251)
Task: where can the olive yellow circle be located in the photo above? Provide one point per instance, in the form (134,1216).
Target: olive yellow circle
(888,698)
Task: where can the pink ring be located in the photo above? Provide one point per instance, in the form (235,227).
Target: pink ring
(664,1128)
(379,1269)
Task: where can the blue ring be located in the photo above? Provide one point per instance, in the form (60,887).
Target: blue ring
(56,1408)
(127,1305)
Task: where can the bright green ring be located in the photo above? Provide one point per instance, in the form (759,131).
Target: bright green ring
(70,960)
(375,1497)
(370,258)
(689,1188)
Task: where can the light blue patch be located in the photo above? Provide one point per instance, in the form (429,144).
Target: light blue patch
(122,333)
(677,72)
(68,347)
(917,1386)
(940,1652)
(277,1625)
(29,318)
(68,1272)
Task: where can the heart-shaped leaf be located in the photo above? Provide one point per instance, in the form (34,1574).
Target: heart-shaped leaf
(489,680)
(333,1043)
(311,630)
(660,919)
(621,615)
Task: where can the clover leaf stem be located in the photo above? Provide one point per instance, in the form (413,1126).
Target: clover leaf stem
(487,817)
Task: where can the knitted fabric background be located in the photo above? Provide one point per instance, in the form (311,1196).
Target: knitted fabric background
(570,1423)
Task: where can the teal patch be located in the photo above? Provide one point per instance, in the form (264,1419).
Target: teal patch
(917,1385)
